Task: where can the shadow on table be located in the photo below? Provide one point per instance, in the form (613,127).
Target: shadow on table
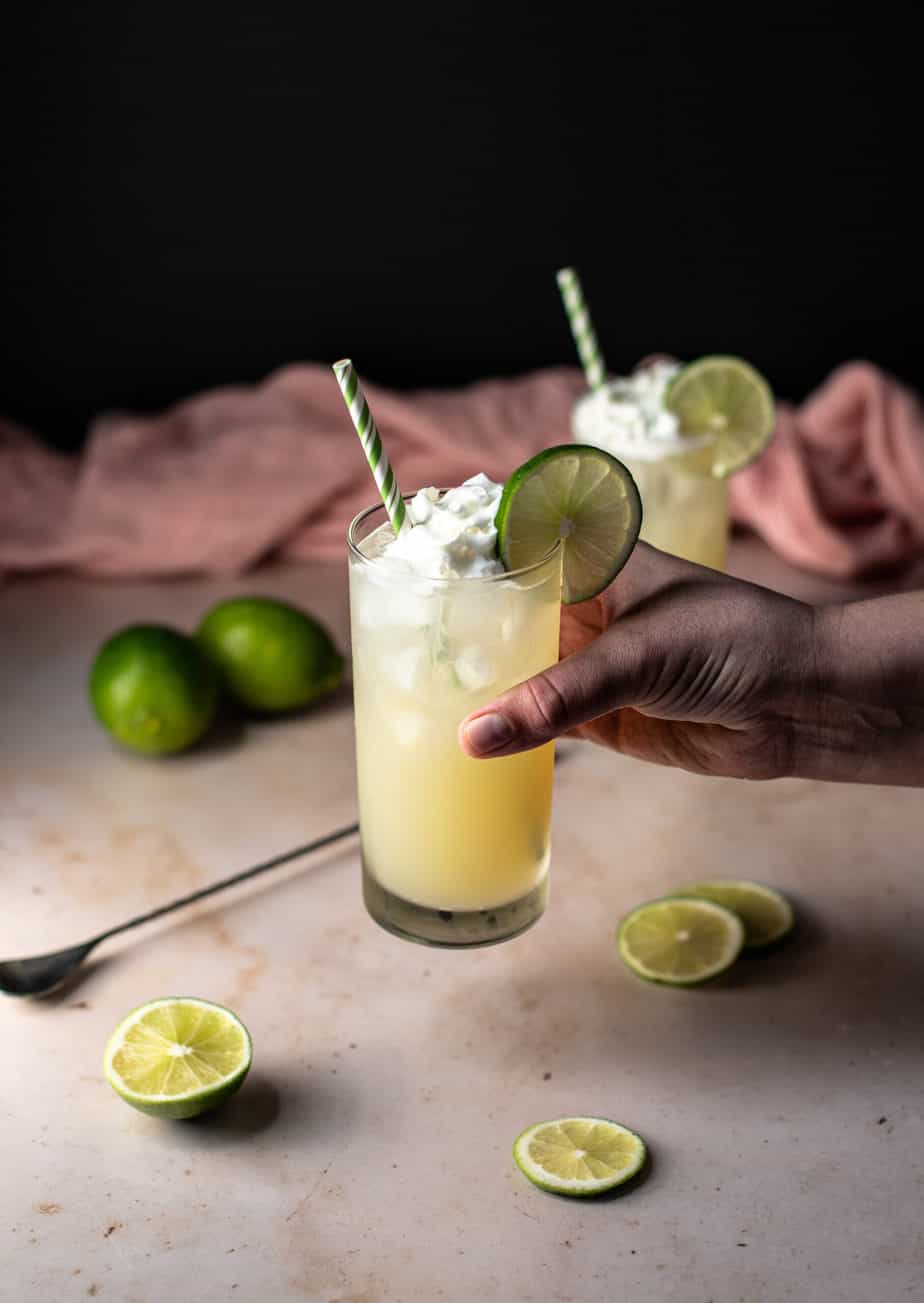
(226,733)
(292,1100)
(820,1004)
(332,704)
(232,724)
(64,993)
(255,1108)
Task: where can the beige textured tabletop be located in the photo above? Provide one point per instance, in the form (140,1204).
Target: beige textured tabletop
(367,1158)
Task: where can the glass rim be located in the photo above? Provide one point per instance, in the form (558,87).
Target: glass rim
(373,562)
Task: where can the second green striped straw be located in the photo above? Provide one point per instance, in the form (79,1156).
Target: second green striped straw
(581,328)
(371,441)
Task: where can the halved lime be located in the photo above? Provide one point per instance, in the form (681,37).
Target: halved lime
(578,494)
(680,940)
(178,1057)
(766,914)
(726,399)
(579,1155)
(271,655)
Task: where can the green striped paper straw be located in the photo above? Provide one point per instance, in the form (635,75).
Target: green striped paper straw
(371,441)
(581,329)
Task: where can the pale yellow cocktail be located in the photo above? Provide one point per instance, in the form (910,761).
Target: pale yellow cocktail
(455,851)
(685,506)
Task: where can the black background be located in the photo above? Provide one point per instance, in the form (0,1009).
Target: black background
(197,195)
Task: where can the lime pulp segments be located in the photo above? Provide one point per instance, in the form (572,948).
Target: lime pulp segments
(766,913)
(728,400)
(579,1155)
(178,1057)
(680,940)
(581,495)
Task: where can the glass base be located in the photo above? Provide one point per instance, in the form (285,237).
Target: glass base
(454,929)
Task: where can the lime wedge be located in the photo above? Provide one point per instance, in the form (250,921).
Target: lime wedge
(177,1057)
(766,914)
(680,940)
(726,399)
(580,495)
(579,1156)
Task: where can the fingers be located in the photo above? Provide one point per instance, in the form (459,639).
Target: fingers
(609,673)
(612,671)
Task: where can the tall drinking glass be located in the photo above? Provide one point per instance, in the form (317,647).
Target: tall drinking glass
(455,851)
(685,506)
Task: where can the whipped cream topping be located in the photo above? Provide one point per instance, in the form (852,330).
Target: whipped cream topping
(627,416)
(449,537)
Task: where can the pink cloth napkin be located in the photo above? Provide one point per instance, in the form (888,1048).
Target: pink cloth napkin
(225,479)
(840,489)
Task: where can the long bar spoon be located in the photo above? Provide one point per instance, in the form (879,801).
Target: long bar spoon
(42,973)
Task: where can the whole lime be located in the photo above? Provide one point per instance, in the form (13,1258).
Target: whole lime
(152,688)
(271,655)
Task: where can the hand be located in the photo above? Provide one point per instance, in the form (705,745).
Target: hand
(685,666)
(673,663)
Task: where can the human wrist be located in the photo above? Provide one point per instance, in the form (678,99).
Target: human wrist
(861,717)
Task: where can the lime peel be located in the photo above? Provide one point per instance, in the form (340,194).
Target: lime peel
(152,689)
(271,656)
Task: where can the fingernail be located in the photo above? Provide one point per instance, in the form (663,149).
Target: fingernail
(488,732)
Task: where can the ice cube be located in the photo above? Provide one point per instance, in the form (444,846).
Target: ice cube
(381,606)
(473,669)
(474,612)
(407,726)
(511,625)
(406,668)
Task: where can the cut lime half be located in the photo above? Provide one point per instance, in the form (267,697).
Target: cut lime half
(680,940)
(766,914)
(726,399)
(579,1156)
(178,1057)
(578,494)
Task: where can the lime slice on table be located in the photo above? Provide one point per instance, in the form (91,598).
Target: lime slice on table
(178,1057)
(726,399)
(579,1155)
(766,914)
(680,940)
(578,494)
(271,655)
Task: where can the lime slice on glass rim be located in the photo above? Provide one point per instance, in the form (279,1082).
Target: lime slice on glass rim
(766,914)
(178,1057)
(726,399)
(579,1155)
(680,940)
(581,495)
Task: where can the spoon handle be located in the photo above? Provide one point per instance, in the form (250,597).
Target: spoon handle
(230,882)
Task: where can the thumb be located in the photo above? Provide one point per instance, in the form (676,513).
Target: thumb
(609,673)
